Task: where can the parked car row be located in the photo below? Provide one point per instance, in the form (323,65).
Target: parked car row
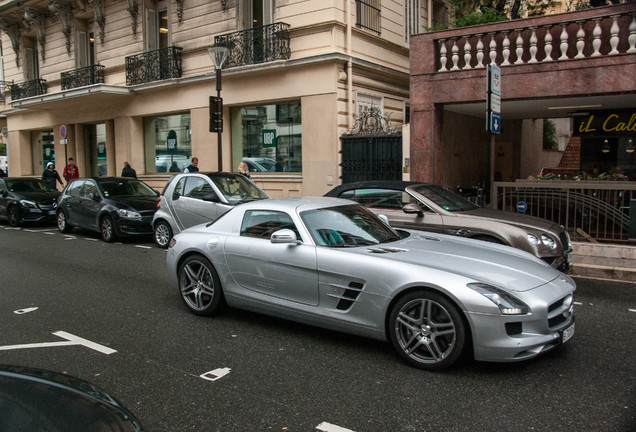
(339,264)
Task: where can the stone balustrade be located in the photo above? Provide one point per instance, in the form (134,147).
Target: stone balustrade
(600,32)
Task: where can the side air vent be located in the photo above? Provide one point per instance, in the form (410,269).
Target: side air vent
(348,295)
(386,250)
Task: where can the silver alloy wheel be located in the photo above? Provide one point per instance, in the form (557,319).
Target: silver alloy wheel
(13,214)
(62,223)
(163,234)
(199,285)
(426,331)
(107,229)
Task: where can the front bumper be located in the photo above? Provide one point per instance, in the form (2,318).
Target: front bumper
(37,215)
(133,227)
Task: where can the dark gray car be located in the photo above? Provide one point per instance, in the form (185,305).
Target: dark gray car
(428,207)
(194,198)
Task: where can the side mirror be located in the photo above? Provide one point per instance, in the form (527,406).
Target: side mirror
(93,196)
(5,193)
(175,196)
(211,198)
(384,219)
(284,236)
(413,209)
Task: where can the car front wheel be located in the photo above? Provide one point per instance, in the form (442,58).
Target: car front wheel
(107,229)
(62,222)
(199,285)
(427,330)
(163,234)
(13,214)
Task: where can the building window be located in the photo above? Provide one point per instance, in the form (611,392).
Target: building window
(168,143)
(268,137)
(157,25)
(366,101)
(368,15)
(411,18)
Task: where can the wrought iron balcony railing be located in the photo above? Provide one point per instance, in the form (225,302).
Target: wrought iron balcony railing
(83,76)
(154,65)
(256,45)
(28,89)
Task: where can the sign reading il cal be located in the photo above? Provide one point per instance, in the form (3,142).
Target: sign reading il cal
(614,123)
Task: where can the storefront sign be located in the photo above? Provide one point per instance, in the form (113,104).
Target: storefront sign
(614,123)
(269,137)
(172,141)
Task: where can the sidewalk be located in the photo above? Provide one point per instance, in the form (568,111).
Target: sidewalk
(603,261)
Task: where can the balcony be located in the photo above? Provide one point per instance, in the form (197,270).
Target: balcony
(28,89)
(81,77)
(154,65)
(256,45)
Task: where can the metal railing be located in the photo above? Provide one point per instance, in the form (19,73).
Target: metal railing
(256,45)
(28,89)
(83,76)
(598,210)
(154,65)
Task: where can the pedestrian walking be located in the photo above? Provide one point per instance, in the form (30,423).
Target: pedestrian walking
(193,167)
(128,171)
(70,171)
(51,177)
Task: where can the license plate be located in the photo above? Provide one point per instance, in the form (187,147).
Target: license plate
(51,212)
(567,334)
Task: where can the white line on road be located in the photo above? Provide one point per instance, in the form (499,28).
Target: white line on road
(41,230)
(49,233)
(26,310)
(91,239)
(70,340)
(143,247)
(328,427)
(632,310)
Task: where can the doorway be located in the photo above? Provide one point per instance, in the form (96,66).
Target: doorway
(96,139)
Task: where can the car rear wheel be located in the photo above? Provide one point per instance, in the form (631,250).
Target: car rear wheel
(107,229)
(163,234)
(199,285)
(13,214)
(427,330)
(62,222)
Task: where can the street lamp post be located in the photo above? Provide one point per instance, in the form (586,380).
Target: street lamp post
(218,54)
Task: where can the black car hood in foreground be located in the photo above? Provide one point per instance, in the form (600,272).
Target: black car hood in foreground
(39,197)
(41,400)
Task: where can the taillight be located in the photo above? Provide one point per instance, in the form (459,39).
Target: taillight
(159,202)
(173,241)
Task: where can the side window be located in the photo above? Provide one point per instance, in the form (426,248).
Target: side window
(75,189)
(197,188)
(178,189)
(89,188)
(263,223)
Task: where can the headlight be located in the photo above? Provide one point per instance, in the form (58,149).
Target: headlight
(128,214)
(533,239)
(27,204)
(548,241)
(508,305)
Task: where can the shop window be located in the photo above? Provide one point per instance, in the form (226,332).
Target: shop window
(168,144)
(268,137)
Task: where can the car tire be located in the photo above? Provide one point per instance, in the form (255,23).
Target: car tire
(107,229)
(13,214)
(62,222)
(427,330)
(199,285)
(163,234)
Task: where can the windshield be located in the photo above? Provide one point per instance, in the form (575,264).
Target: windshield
(444,198)
(126,188)
(26,185)
(347,226)
(237,189)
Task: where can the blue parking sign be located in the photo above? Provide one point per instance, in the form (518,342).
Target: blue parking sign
(495,122)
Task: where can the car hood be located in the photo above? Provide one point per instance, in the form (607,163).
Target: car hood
(499,265)
(513,218)
(39,197)
(137,203)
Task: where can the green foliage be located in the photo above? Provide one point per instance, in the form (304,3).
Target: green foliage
(487,15)
(549,135)
(3,149)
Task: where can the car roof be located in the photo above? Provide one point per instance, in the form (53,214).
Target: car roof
(373,184)
(295,203)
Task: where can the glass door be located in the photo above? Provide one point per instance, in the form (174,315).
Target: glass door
(96,139)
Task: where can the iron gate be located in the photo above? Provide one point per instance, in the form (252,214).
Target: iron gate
(371,157)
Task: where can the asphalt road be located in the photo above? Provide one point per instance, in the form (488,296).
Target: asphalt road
(282,376)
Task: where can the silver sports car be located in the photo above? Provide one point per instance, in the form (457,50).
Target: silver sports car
(332,263)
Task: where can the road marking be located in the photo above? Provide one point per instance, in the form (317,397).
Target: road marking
(70,340)
(215,374)
(632,310)
(48,233)
(26,310)
(45,231)
(12,228)
(91,239)
(143,247)
(328,427)
(578,303)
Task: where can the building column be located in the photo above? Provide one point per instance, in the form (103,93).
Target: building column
(426,144)
(21,154)
(81,155)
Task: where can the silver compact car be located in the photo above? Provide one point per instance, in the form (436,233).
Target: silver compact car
(194,198)
(333,263)
(428,207)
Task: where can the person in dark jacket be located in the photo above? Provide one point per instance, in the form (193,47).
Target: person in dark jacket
(128,171)
(51,177)
(193,167)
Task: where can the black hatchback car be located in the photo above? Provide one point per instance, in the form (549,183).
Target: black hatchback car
(24,199)
(112,206)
